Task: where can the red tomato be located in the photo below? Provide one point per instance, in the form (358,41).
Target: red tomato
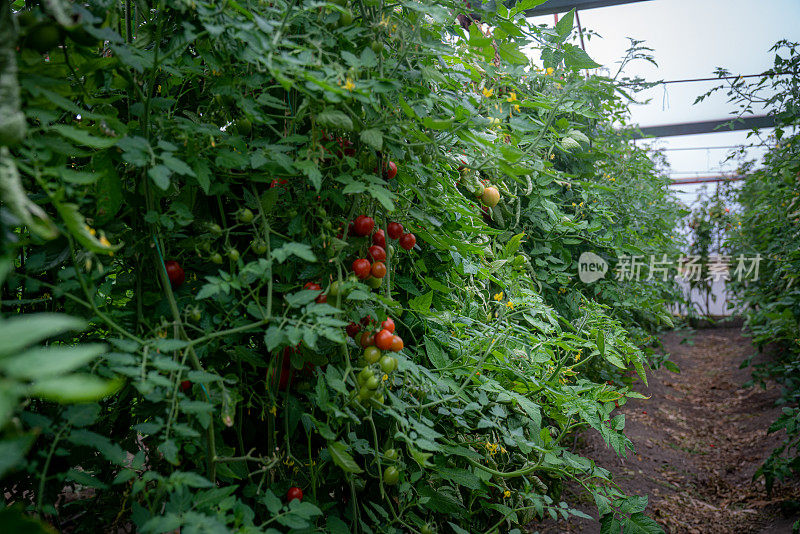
(363,225)
(397,344)
(407,241)
(186,385)
(362,267)
(378,238)
(377,253)
(312,286)
(175,273)
(383,340)
(388,324)
(352,329)
(378,269)
(395,230)
(391,170)
(294,493)
(367,339)
(322,299)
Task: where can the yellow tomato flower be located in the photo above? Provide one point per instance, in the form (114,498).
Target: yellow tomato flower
(506,494)
(516,108)
(273,410)
(498,296)
(549,71)
(512,97)
(488,92)
(510,305)
(349,85)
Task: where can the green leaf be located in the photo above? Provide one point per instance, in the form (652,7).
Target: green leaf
(576,58)
(301,250)
(565,24)
(12,452)
(422,303)
(671,366)
(373,138)
(332,118)
(160,175)
(74,388)
(639,523)
(14,519)
(44,362)
(342,458)
(81,231)
(311,171)
(82,137)
(20,332)
(524,5)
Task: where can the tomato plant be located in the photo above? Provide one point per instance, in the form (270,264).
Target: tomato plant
(248,140)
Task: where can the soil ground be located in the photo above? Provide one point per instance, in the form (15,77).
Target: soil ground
(699,439)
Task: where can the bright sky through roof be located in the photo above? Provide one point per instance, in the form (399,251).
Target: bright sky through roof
(691,38)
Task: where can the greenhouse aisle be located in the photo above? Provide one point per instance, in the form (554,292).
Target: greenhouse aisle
(699,439)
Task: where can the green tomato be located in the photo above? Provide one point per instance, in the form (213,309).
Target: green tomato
(426,529)
(335,289)
(377,400)
(345,18)
(365,393)
(388,364)
(377,47)
(372,383)
(374,283)
(215,229)
(372,354)
(259,246)
(216,258)
(245,216)
(391,454)
(365,374)
(391,476)
(233,254)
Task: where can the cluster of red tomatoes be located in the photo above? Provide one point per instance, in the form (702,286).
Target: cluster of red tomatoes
(363,226)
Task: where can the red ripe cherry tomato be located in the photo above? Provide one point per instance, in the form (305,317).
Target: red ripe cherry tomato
(391,170)
(397,344)
(367,339)
(363,225)
(407,241)
(377,253)
(294,493)
(313,286)
(186,385)
(395,230)
(378,269)
(322,299)
(383,340)
(175,273)
(352,329)
(378,238)
(362,267)
(388,324)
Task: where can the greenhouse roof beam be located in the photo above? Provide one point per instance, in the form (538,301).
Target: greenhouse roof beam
(715,126)
(706,179)
(562,6)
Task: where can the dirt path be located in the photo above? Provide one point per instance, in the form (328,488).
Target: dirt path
(699,439)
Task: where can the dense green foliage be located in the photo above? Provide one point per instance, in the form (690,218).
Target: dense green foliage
(239,139)
(767,222)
